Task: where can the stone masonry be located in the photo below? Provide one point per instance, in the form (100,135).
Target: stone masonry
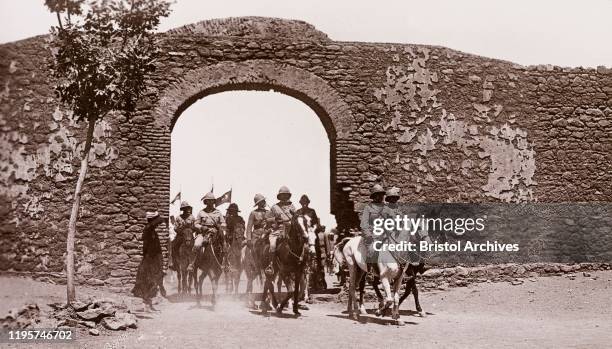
(443,125)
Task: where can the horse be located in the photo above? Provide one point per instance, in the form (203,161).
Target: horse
(252,270)
(208,260)
(233,260)
(182,249)
(410,276)
(410,271)
(390,272)
(292,258)
(185,278)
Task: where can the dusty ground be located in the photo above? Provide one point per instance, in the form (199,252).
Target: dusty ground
(547,312)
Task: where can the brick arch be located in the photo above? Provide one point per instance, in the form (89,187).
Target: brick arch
(261,75)
(258,75)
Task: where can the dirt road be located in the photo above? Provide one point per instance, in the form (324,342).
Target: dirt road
(547,312)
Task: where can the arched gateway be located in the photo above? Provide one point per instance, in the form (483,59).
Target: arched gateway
(442,125)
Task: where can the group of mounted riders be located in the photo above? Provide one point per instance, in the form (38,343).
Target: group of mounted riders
(214,243)
(278,243)
(358,253)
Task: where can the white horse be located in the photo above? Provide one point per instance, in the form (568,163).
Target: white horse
(391,268)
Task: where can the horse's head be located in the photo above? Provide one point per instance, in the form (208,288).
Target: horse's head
(308,229)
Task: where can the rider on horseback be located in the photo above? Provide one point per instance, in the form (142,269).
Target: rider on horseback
(372,211)
(209,221)
(307,211)
(279,218)
(184,227)
(257,221)
(235,225)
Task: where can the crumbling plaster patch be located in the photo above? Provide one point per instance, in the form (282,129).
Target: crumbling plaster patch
(55,158)
(410,89)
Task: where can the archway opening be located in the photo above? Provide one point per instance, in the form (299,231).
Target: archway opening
(251,142)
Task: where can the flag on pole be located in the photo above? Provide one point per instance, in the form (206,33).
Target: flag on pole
(177,197)
(225,198)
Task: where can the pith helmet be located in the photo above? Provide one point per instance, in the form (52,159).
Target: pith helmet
(376,189)
(393,192)
(258,198)
(184,205)
(304,199)
(283,190)
(209,196)
(233,207)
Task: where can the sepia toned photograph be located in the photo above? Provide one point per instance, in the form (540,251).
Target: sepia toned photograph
(316,174)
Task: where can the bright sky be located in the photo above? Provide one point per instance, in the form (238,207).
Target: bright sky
(232,138)
(251,142)
(561,32)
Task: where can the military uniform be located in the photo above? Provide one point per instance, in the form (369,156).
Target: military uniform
(207,222)
(183,228)
(279,218)
(257,224)
(372,211)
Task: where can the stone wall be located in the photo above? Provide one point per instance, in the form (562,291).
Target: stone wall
(443,125)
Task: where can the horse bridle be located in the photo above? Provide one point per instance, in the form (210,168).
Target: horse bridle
(301,256)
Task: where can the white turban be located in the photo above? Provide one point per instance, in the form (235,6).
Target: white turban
(153,214)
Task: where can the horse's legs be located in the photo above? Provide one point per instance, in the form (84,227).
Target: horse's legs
(269,287)
(214,282)
(409,284)
(397,284)
(296,293)
(198,284)
(362,283)
(286,278)
(264,297)
(237,279)
(179,286)
(389,295)
(279,284)
(305,281)
(355,277)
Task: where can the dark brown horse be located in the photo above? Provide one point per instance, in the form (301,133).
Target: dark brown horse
(208,261)
(182,249)
(252,270)
(233,259)
(292,256)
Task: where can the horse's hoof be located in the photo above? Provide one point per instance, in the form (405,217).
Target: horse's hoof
(399,322)
(303,307)
(279,310)
(422,314)
(296,312)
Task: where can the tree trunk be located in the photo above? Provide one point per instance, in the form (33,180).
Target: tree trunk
(76,204)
